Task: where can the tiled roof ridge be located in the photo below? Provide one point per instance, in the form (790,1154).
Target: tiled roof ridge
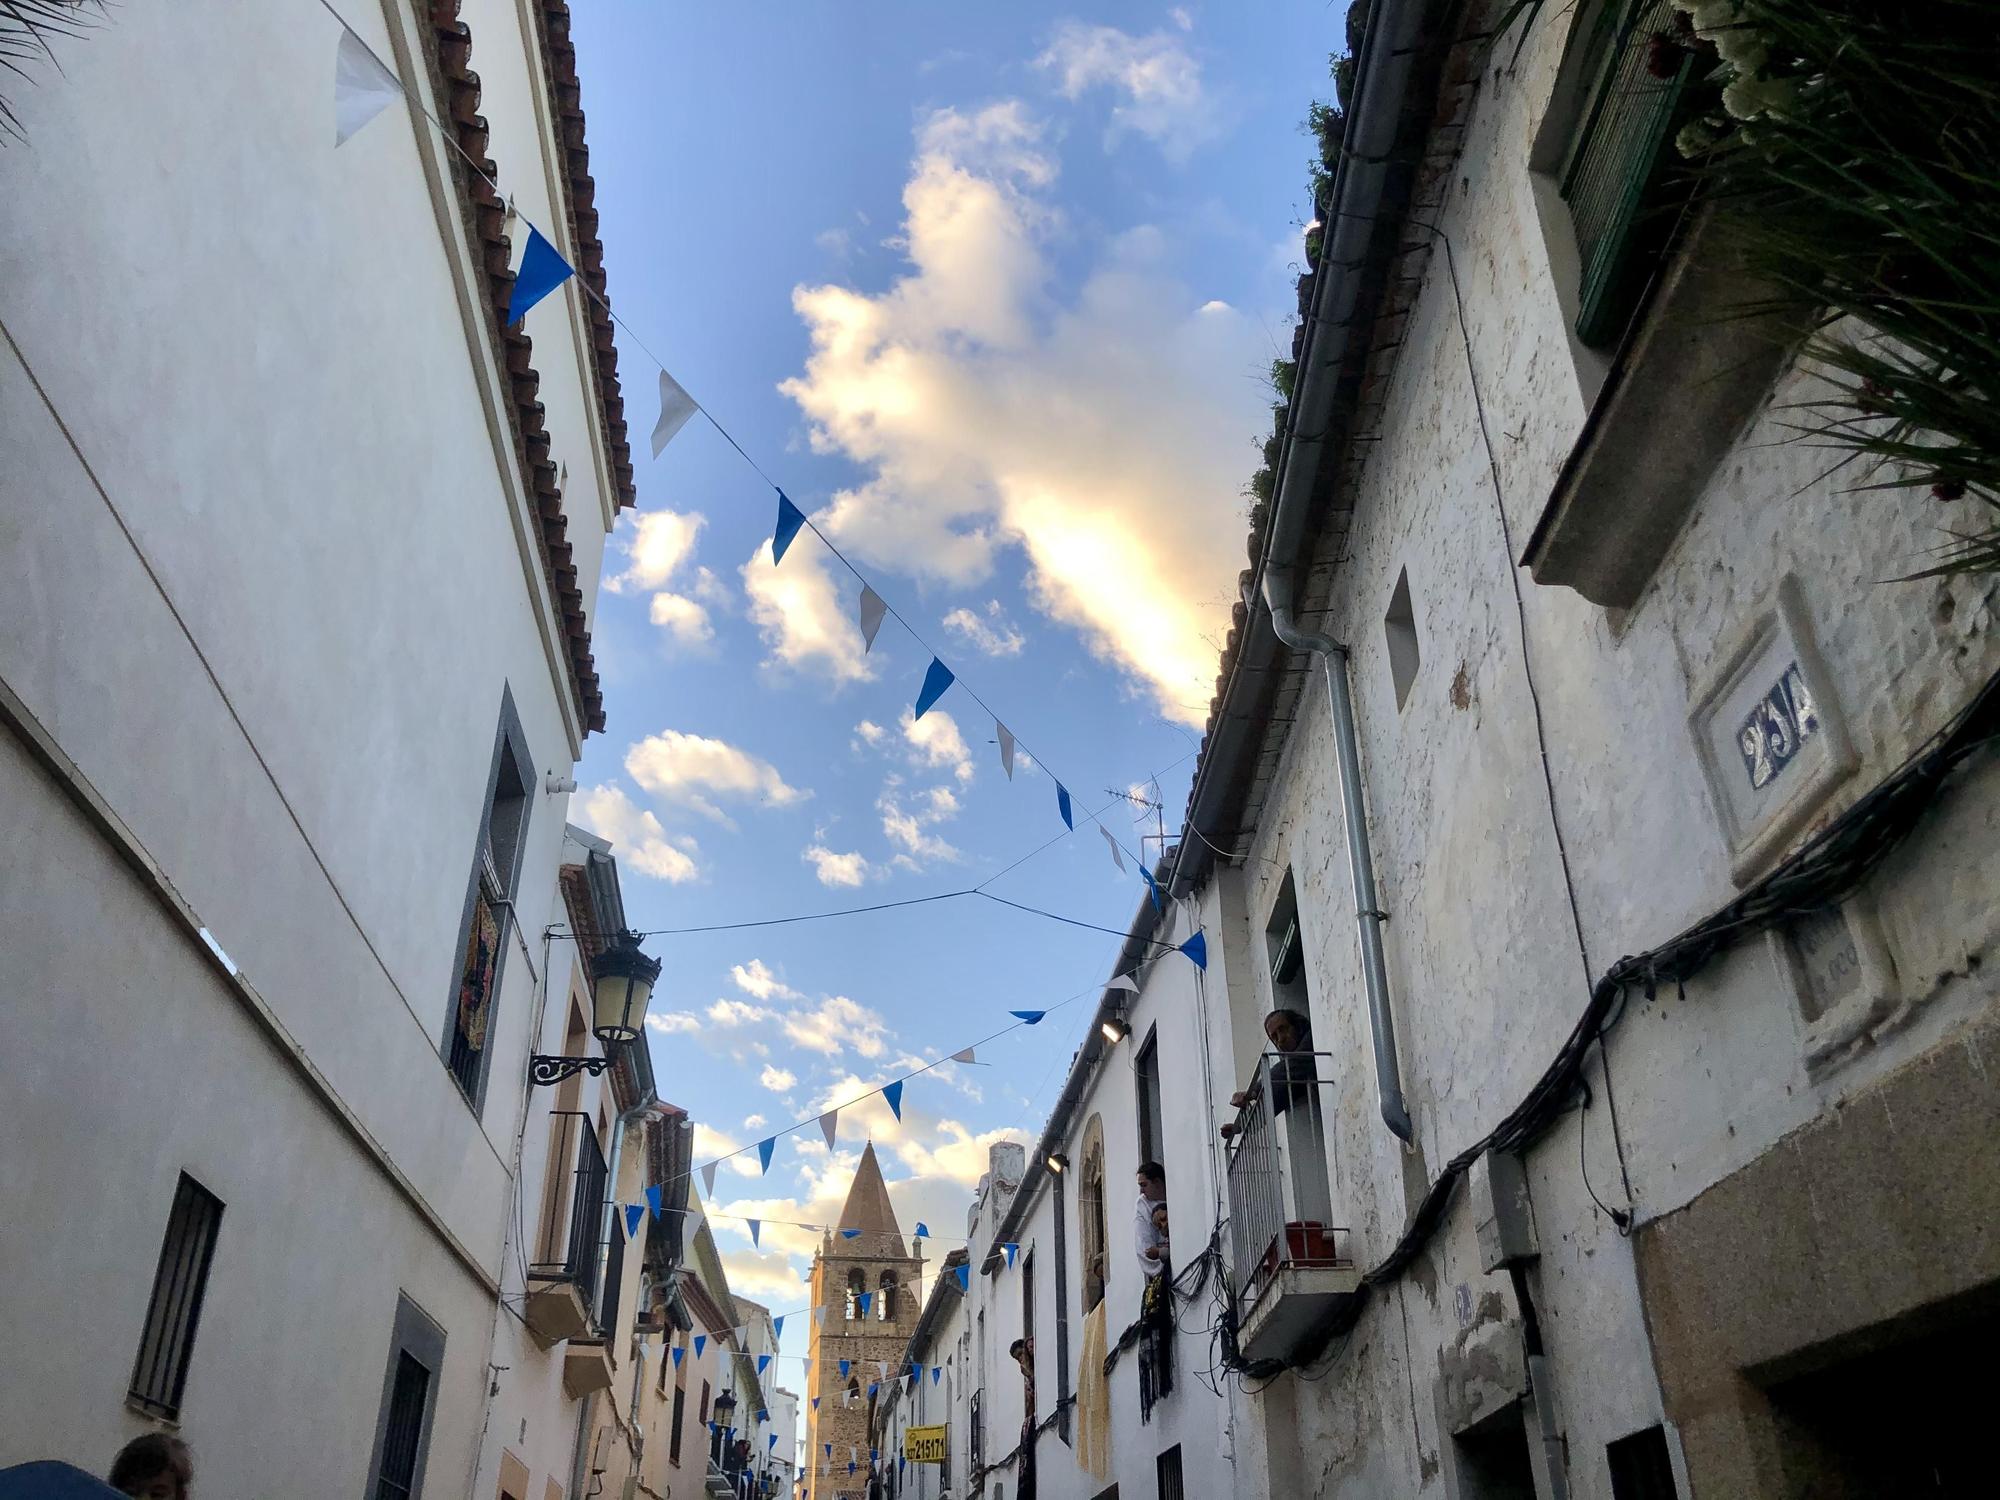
(487,215)
(580,192)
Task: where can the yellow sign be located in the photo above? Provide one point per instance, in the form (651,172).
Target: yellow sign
(923,1445)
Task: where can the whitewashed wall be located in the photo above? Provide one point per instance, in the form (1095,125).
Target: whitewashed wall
(257,345)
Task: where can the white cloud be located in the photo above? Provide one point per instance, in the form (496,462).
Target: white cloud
(655,544)
(669,1023)
(992,634)
(908,825)
(755,978)
(637,838)
(936,743)
(806,622)
(870,731)
(695,770)
(682,618)
(751,1122)
(1157,81)
(1181,17)
(738,1013)
(1104,435)
(838,1024)
(837,869)
(836,242)
(777,1079)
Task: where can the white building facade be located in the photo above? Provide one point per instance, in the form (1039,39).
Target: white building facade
(299,547)
(1621,837)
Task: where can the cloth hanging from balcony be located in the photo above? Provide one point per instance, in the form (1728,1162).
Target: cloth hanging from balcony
(1093,1400)
(1156,1340)
(475,986)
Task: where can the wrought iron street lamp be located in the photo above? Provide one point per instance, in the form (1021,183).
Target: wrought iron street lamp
(622,980)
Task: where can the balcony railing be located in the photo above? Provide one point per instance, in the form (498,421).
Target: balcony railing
(571,1245)
(1281,1217)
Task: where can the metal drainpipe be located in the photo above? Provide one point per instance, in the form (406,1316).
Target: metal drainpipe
(1360,860)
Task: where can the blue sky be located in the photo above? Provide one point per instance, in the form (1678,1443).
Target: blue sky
(990,291)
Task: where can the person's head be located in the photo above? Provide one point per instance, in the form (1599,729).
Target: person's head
(157,1466)
(1160,1217)
(1153,1180)
(1018,1350)
(1288,1030)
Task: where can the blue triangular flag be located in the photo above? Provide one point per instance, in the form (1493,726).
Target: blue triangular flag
(893,1092)
(763,1363)
(1012,1250)
(845,1366)
(654,1197)
(1196,948)
(848,1234)
(778,1327)
(700,1341)
(1062,806)
(634,1212)
(923,1230)
(873,1453)
(790,519)
(873,1387)
(1028,1017)
(755,1225)
(774,1440)
(862,1302)
(815,1403)
(937,1371)
(763,1412)
(829,1450)
(936,680)
(764,1149)
(964,1278)
(1152,888)
(542,271)
(679,1354)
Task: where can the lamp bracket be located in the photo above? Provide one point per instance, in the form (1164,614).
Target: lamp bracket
(543,1069)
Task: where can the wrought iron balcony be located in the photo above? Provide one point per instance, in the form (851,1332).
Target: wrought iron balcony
(1291,1261)
(565,1277)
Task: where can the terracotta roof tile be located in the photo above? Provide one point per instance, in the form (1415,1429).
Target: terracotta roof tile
(487,215)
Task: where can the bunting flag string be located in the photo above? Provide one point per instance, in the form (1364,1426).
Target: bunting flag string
(893,1093)
(790,519)
(764,1149)
(634,1212)
(937,678)
(755,1226)
(363,86)
(1117,857)
(963,1055)
(1005,737)
(1062,806)
(873,609)
(542,271)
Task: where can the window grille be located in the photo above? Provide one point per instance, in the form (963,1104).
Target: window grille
(159,1375)
(1169,1465)
(403,1436)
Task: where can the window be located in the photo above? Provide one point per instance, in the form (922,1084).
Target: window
(1169,1468)
(159,1375)
(1492,1459)
(496,872)
(409,1397)
(1640,1467)
(1284,945)
(704,1403)
(1400,625)
(857,1283)
(1617,178)
(1062,1309)
(1090,1209)
(1028,1334)
(674,1425)
(1146,1084)
(885,1294)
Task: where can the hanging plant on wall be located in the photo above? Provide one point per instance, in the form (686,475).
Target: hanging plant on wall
(1853,147)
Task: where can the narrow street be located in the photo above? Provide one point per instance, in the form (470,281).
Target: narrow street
(905,752)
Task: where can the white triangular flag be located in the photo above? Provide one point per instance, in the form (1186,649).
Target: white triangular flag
(1122,982)
(676,406)
(1110,843)
(962,1056)
(882,1366)
(1006,738)
(362,86)
(873,608)
(828,1124)
(708,1179)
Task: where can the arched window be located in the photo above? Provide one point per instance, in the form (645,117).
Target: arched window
(857,1283)
(853,1388)
(1090,1210)
(885,1294)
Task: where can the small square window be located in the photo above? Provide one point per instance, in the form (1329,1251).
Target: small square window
(1400,624)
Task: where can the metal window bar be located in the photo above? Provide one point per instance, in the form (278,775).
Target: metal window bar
(1169,1469)
(576,1143)
(465,1059)
(1614,165)
(1280,1165)
(403,1435)
(614,1281)
(976,1430)
(159,1373)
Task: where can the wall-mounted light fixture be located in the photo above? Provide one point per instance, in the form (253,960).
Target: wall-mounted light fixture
(1058,1162)
(622,981)
(1115,1030)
